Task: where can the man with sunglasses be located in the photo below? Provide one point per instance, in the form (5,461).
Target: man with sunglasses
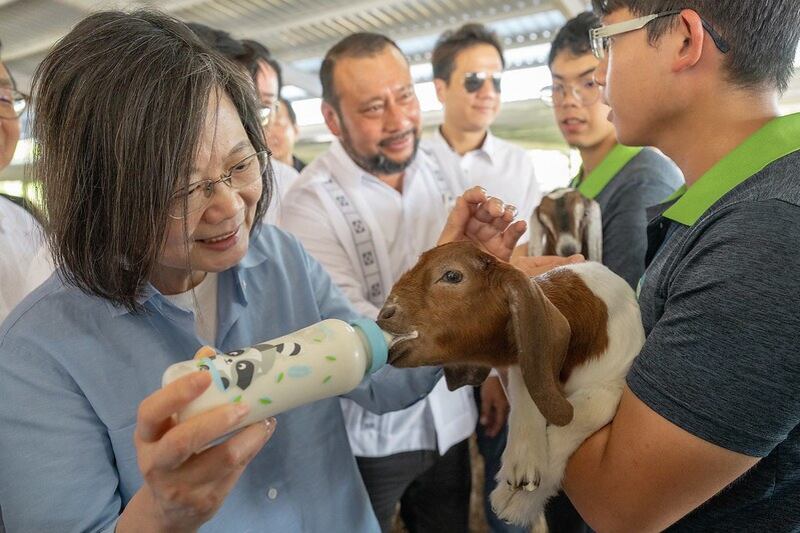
(468,66)
(24,261)
(707,433)
(366,209)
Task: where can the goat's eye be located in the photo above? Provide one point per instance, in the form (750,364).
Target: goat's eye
(452,276)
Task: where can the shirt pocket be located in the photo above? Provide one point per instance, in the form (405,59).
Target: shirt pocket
(130,479)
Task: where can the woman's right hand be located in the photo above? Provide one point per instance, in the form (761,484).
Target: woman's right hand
(182,488)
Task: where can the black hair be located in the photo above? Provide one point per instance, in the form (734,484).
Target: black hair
(451,43)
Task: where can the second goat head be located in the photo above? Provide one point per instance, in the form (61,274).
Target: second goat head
(567,223)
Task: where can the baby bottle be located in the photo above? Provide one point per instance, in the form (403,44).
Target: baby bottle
(325,359)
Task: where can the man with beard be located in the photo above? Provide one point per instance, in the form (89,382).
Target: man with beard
(366,209)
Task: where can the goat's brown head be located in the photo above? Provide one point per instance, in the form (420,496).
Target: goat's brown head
(471,312)
(566,223)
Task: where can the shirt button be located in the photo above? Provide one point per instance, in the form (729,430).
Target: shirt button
(272,493)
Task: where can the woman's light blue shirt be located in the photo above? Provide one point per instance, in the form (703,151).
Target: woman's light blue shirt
(74,368)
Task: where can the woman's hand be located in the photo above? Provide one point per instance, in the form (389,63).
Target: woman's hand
(184,487)
(485,221)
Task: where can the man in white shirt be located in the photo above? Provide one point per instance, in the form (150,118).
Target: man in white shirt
(366,209)
(467,69)
(24,260)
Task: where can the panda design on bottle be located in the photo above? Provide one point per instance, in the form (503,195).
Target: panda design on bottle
(321,361)
(242,367)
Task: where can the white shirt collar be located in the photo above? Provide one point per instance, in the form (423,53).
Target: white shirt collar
(488,148)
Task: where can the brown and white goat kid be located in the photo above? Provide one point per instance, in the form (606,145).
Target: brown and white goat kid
(567,223)
(568,337)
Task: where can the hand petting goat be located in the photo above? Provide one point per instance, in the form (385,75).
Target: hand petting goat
(489,224)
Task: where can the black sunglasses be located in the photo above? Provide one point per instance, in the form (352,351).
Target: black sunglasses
(473,81)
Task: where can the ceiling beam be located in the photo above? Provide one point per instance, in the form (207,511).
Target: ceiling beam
(293,54)
(313,15)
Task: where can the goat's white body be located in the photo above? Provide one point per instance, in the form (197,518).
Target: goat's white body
(536,452)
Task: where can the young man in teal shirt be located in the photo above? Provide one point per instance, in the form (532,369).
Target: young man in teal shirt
(624,181)
(706,436)
(707,433)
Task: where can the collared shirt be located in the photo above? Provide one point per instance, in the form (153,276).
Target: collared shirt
(74,368)
(402,227)
(626,184)
(24,260)
(719,305)
(504,169)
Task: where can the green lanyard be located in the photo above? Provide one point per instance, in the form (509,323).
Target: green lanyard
(596,181)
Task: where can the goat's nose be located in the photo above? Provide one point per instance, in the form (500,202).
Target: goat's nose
(568,250)
(387,312)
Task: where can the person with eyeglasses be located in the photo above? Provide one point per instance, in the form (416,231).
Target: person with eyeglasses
(468,67)
(256,60)
(624,181)
(155,177)
(24,259)
(706,436)
(282,135)
(268,80)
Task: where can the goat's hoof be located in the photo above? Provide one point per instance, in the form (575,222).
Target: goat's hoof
(524,484)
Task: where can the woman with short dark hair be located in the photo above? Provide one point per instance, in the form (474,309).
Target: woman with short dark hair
(155,178)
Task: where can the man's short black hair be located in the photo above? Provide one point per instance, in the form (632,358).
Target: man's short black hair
(451,43)
(762,34)
(362,44)
(573,37)
(289,110)
(259,52)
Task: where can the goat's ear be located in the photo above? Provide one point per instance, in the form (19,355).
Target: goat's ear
(541,336)
(593,232)
(457,376)
(537,233)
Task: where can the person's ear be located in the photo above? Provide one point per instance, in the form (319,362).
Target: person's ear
(332,119)
(693,37)
(441,87)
